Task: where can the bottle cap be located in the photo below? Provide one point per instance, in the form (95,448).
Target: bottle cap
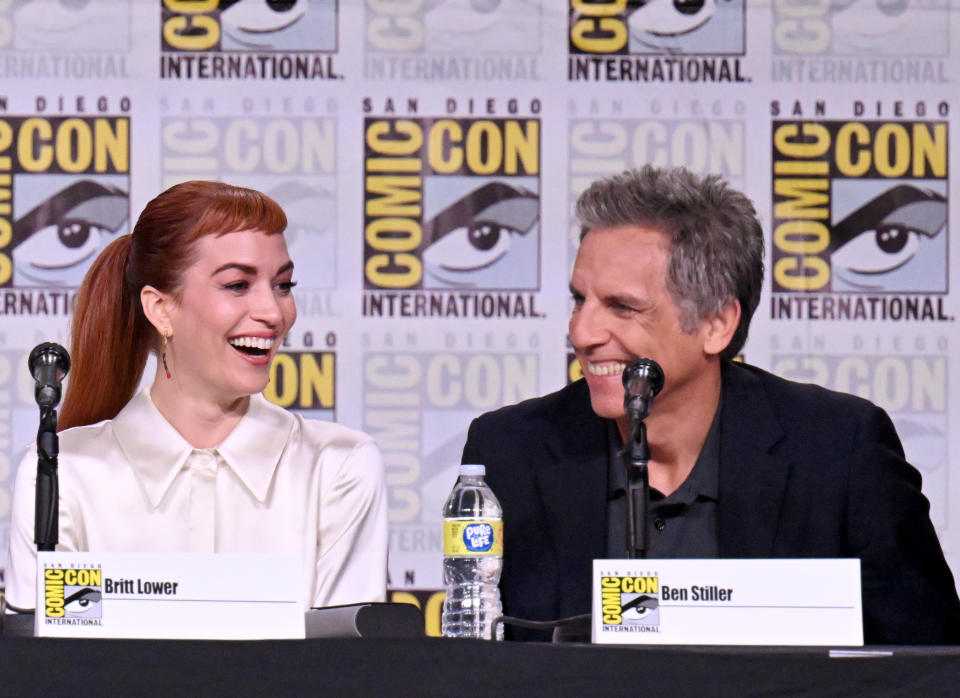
(473,469)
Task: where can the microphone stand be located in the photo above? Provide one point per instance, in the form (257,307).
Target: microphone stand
(47,514)
(636,456)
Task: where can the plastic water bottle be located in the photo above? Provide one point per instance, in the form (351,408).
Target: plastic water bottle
(472,557)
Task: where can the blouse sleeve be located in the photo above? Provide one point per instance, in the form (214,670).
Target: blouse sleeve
(352,545)
(21,570)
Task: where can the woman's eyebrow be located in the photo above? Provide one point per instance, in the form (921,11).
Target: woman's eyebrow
(245,268)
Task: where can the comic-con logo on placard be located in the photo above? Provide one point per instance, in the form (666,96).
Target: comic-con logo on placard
(455,40)
(876,41)
(860,224)
(72,596)
(451,217)
(64,196)
(630,604)
(656,40)
(304,382)
(248,39)
(291,158)
(66,40)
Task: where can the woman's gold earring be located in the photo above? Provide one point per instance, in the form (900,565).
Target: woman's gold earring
(163,353)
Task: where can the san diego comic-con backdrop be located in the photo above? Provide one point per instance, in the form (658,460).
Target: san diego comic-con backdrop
(428,153)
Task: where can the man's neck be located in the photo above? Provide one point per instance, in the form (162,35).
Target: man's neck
(676,430)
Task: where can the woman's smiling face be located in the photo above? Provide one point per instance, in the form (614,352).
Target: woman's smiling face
(231,312)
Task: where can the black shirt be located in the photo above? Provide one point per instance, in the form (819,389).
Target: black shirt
(682,525)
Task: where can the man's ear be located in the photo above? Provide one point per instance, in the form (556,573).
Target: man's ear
(157,307)
(720,327)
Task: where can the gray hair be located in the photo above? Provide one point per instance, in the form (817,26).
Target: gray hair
(717,242)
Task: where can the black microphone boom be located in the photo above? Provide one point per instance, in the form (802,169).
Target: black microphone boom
(49,364)
(642,380)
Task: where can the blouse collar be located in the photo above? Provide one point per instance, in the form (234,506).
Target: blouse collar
(158,452)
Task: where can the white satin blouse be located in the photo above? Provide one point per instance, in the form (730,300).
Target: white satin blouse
(278,483)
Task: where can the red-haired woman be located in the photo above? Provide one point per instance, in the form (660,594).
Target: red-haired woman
(201,462)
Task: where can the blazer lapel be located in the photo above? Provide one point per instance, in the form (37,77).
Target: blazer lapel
(573,488)
(752,477)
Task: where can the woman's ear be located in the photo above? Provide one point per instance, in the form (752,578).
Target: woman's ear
(157,307)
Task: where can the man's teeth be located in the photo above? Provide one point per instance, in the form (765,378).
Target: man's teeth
(252,342)
(606,369)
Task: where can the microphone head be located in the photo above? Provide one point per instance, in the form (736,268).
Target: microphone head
(49,354)
(49,364)
(642,380)
(646,370)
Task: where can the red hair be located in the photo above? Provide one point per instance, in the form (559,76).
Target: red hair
(111,336)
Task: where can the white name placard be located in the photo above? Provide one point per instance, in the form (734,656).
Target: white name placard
(168,596)
(727,602)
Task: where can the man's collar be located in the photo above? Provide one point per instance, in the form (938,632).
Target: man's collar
(157,451)
(703,479)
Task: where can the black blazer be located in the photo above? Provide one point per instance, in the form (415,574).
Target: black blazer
(804,472)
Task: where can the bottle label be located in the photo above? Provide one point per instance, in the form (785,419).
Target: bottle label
(471,537)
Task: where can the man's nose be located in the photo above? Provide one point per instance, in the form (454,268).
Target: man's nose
(587,327)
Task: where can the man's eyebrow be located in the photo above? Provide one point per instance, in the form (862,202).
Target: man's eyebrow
(629,301)
(244,268)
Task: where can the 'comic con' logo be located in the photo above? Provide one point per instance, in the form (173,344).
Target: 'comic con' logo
(64,40)
(453,40)
(861,27)
(259,39)
(861,41)
(72,593)
(451,205)
(911,388)
(305,382)
(64,195)
(620,29)
(860,207)
(607,146)
(292,159)
(630,601)
(418,406)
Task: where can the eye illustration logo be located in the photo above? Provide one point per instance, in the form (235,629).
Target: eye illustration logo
(311,212)
(278,25)
(894,242)
(640,609)
(255,23)
(671,17)
(55,242)
(485,239)
(82,602)
(889,27)
(482,26)
(69,25)
(687,26)
(670,25)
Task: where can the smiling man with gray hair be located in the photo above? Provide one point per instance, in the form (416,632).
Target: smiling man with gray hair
(743,464)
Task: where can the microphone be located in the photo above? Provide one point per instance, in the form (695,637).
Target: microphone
(642,380)
(49,364)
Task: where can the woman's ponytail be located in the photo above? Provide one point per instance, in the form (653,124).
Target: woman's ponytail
(110,341)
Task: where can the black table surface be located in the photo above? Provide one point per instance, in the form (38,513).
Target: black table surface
(443,667)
